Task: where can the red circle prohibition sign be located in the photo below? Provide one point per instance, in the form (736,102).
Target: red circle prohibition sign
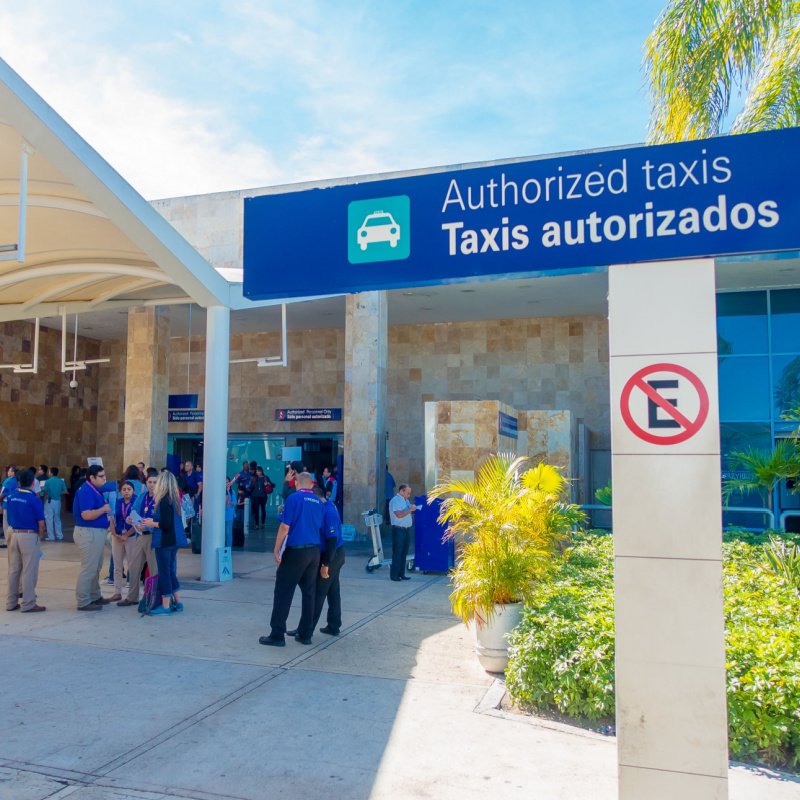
(690,427)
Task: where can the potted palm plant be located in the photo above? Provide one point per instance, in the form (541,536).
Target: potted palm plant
(512,521)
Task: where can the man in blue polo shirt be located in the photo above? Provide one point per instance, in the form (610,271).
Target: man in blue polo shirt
(297,557)
(331,563)
(91,512)
(9,485)
(26,521)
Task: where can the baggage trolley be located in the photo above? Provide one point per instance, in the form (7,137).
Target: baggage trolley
(372,522)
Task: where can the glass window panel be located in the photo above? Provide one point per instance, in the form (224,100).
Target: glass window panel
(737,437)
(742,322)
(785,308)
(744,389)
(786,391)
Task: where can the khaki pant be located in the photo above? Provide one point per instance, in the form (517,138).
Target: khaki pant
(23,562)
(142,551)
(122,553)
(91,544)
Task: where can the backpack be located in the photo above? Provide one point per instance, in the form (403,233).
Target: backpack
(150,596)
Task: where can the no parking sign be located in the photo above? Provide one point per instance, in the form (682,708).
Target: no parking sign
(664,404)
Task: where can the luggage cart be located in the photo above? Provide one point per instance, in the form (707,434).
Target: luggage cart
(372,522)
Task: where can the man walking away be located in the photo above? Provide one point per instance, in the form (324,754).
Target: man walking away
(91,528)
(331,563)
(297,557)
(54,490)
(401,514)
(26,520)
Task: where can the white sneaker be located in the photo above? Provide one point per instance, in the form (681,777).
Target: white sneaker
(109,581)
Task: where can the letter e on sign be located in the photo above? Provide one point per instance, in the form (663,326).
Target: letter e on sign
(664,404)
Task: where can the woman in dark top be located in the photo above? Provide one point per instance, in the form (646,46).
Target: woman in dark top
(168,536)
(258,496)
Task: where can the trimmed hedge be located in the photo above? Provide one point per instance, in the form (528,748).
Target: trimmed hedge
(562,653)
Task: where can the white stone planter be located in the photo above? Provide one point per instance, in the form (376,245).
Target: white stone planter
(492,636)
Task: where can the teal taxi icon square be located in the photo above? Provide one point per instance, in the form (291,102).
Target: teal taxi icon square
(379,229)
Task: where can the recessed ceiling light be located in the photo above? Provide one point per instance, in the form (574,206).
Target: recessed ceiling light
(469,291)
(786,269)
(409,294)
(426,308)
(532,302)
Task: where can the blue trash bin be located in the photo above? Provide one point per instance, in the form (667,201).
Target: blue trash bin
(431,554)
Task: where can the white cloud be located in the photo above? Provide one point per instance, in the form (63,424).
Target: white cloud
(162,145)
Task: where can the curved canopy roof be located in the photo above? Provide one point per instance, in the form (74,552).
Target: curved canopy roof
(90,241)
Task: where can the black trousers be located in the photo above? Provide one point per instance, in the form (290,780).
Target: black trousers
(259,507)
(329,589)
(298,567)
(401,537)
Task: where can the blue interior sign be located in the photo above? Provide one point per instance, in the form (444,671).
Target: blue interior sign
(721,196)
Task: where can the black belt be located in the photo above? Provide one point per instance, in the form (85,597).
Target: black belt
(300,546)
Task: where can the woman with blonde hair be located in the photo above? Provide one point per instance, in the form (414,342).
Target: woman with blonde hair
(168,536)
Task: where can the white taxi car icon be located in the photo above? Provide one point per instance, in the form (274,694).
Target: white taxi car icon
(378,227)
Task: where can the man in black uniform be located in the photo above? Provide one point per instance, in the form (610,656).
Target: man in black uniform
(297,556)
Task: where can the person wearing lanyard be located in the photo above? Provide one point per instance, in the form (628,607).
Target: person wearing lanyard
(91,513)
(301,523)
(141,545)
(26,518)
(123,535)
(331,563)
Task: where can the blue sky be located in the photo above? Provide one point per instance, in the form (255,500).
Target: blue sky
(190,97)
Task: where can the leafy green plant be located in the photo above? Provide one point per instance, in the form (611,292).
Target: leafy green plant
(513,522)
(783,560)
(763,470)
(603,494)
(562,653)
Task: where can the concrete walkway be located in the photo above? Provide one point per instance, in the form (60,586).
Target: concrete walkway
(112,706)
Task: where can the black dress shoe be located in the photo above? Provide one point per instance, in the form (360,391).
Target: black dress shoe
(271,642)
(292,632)
(91,607)
(301,640)
(327,629)
(101,601)
(16,608)
(404,578)
(396,579)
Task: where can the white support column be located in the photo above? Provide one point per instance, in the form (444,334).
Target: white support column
(672,733)
(215,437)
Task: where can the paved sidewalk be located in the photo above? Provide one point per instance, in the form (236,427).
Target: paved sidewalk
(112,706)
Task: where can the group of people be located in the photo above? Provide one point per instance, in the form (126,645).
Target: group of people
(145,528)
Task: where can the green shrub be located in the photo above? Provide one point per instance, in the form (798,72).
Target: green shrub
(562,654)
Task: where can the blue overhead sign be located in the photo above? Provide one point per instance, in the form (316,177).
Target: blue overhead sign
(722,196)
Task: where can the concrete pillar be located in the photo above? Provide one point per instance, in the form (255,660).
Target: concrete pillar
(146,387)
(366,356)
(670,645)
(215,437)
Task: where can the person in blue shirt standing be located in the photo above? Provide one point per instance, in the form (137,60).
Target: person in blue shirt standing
(331,563)
(9,485)
(26,521)
(297,556)
(91,512)
(144,505)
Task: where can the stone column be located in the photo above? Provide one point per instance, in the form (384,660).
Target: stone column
(146,387)
(366,356)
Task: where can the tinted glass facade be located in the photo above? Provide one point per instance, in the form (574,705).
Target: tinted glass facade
(758,341)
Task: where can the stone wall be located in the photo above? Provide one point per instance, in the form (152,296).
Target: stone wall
(541,364)
(550,363)
(314,378)
(42,420)
(111,406)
